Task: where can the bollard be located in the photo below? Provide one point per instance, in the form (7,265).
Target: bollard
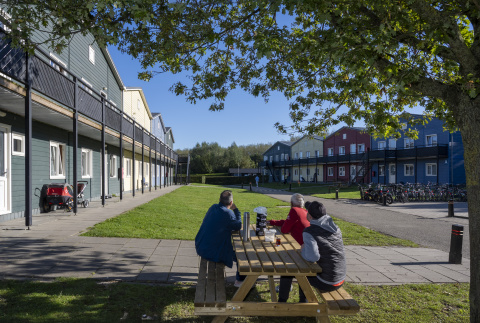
(250,186)
(450,208)
(336,194)
(384,198)
(290,187)
(242,186)
(455,256)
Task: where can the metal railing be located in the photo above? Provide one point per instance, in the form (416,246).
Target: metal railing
(59,85)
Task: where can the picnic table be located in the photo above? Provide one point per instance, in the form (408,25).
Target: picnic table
(259,258)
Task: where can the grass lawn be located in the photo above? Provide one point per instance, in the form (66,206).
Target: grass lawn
(179,214)
(83,300)
(319,190)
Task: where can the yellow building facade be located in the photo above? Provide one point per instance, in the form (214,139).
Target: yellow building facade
(307,148)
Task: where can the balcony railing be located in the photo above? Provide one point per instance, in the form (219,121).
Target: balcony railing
(438,151)
(60,86)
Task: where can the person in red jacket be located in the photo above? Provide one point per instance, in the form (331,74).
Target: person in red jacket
(294,224)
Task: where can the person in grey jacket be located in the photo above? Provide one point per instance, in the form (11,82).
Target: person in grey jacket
(323,244)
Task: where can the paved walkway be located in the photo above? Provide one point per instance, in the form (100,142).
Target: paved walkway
(53,247)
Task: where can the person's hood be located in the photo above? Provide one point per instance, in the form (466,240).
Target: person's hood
(326,223)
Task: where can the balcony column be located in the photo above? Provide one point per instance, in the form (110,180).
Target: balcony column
(121,156)
(133,160)
(104,180)
(143,162)
(156,143)
(150,166)
(103,152)
(28,142)
(416,164)
(75,147)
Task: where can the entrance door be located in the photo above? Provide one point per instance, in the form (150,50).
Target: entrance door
(353,172)
(391,173)
(106,173)
(4,170)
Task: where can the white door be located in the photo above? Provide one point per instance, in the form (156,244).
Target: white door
(106,173)
(391,173)
(4,170)
(352,148)
(353,172)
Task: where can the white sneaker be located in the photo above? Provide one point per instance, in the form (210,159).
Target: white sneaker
(238,283)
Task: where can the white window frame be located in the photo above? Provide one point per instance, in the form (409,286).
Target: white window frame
(341,171)
(434,142)
(91,54)
(382,145)
(278,147)
(344,136)
(59,160)
(265,158)
(282,157)
(113,169)
(88,172)
(361,148)
(341,150)
(301,155)
(308,154)
(330,151)
(276,158)
(408,143)
(408,170)
(286,156)
(381,170)
(296,156)
(271,158)
(127,164)
(330,171)
(17,136)
(429,168)
(317,153)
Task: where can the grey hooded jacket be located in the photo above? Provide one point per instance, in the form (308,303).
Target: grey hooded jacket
(323,244)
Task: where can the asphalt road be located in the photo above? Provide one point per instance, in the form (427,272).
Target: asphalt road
(426,224)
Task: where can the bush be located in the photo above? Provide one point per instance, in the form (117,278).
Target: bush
(225,180)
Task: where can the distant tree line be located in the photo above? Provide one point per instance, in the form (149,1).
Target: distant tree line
(209,158)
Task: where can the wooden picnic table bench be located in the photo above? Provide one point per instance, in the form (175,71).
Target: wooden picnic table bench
(259,258)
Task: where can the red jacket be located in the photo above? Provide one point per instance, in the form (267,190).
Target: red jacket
(294,224)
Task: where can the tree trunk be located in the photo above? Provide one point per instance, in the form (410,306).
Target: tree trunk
(470,129)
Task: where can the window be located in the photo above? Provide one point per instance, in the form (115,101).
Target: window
(296,172)
(286,157)
(381,145)
(57,160)
(344,136)
(330,171)
(18,144)
(301,154)
(381,170)
(113,166)
(404,126)
(361,148)
(271,158)
(317,153)
(341,150)
(408,169)
(276,158)
(306,143)
(127,162)
(282,157)
(91,54)
(86,163)
(431,140)
(361,171)
(431,169)
(265,158)
(278,147)
(409,143)
(296,155)
(308,154)
(341,171)
(87,86)
(330,151)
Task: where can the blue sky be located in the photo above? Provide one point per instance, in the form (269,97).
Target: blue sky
(245,119)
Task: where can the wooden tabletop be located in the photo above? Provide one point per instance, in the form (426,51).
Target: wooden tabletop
(257,257)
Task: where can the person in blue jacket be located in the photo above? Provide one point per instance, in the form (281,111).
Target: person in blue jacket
(214,238)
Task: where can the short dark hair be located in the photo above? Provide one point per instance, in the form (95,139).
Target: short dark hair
(307,204)
(316,210)
(226,197)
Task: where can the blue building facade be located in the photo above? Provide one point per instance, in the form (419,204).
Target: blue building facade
(436,156)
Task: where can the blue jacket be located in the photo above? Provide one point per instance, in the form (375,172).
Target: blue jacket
(214,239)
